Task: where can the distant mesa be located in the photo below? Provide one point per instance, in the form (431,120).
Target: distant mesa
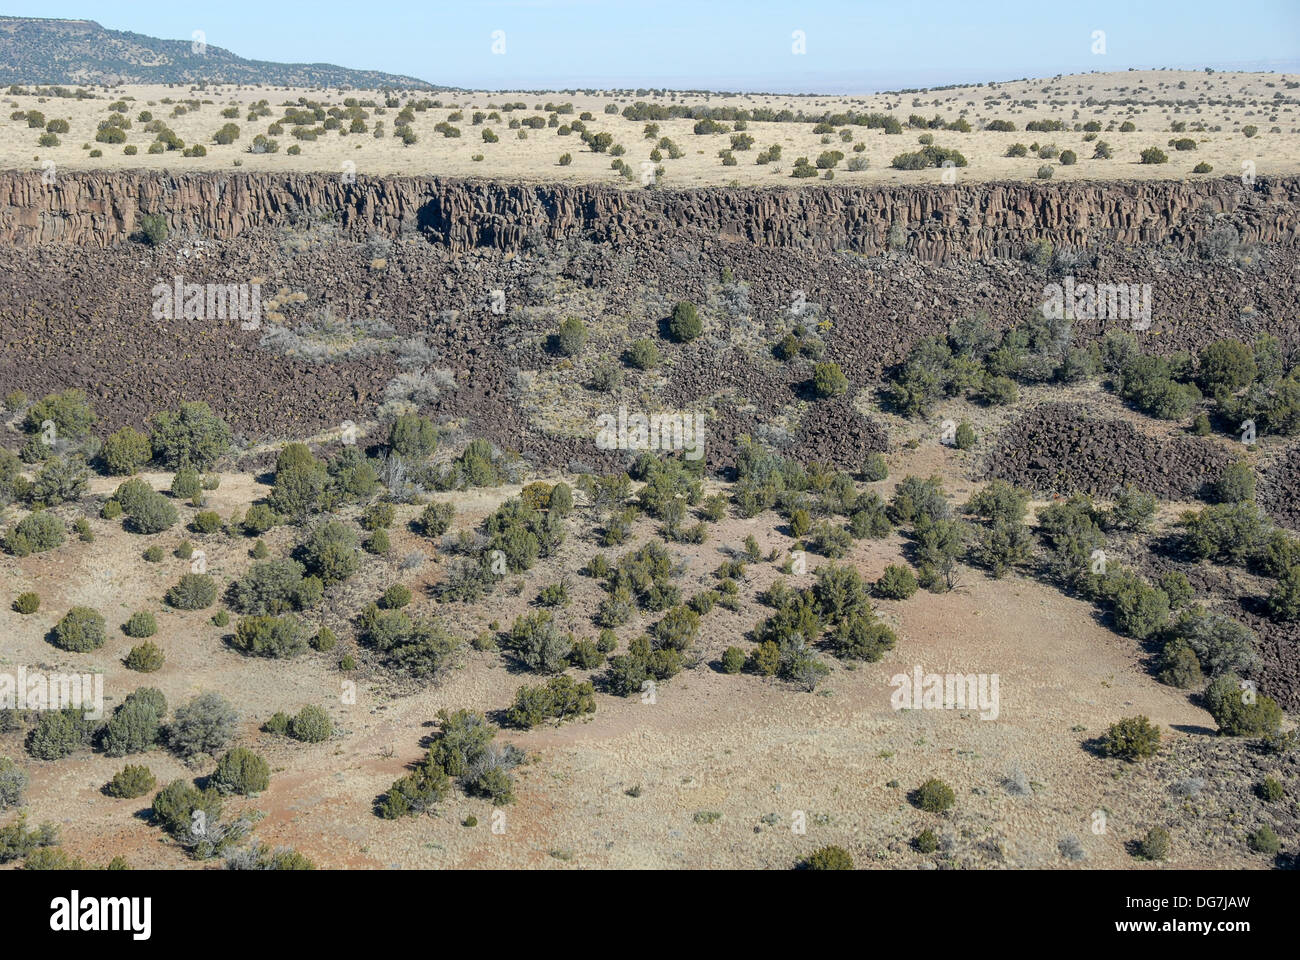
(35,50)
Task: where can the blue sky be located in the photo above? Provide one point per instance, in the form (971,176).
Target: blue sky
(723,44)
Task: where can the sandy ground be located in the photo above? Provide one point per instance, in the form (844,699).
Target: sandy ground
(1223,103)
(759,752)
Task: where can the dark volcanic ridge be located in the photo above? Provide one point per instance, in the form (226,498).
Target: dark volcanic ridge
(72,315)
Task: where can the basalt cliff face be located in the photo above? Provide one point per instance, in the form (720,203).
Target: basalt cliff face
(937,223)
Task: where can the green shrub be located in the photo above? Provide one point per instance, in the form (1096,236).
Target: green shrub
(538,642)
(1133,738)
(60,480)
(829,380)
(584,654)
(147,510)
(273,587)
(560,698)
(311,725)
(1154,155)
(80,631)
(300,482)
(733,660)
(176,809)
(186,483)
(206,521)
(861,637)
(241,771)
(643,354)
(934,796)
(874,468)
(1270,790)
(571,338)
(1264,840)
(1226,365)
(1177,588)
(69,411)
(191,437)
(131,782)
(1241,713)
(1236,484)
(268,636)
(204,725)
(1225,533)
(1155,845)
(413,436)
(435,519)
(259,519)
(1222,644)
(1139,610)
(193,591)
(1284,599)
(561,500)
(1134,509)
(136,724)
(1179,665)
(896,583)
(926,841)
(685,324)
(140,625)
(58,733)
(146,657)
(35,533)
(330,552)
(377,543)
(27,603)
(13,781)
(125,452)
(395,597)
(964,437)
(829,858)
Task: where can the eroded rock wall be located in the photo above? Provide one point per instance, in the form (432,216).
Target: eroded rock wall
(939,223)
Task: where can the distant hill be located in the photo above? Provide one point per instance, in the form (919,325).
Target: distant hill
(36,50)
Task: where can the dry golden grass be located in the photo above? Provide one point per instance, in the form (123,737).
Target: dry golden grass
(1222,102)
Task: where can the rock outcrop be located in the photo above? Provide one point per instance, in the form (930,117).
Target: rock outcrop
(937,223)
(1062,448)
